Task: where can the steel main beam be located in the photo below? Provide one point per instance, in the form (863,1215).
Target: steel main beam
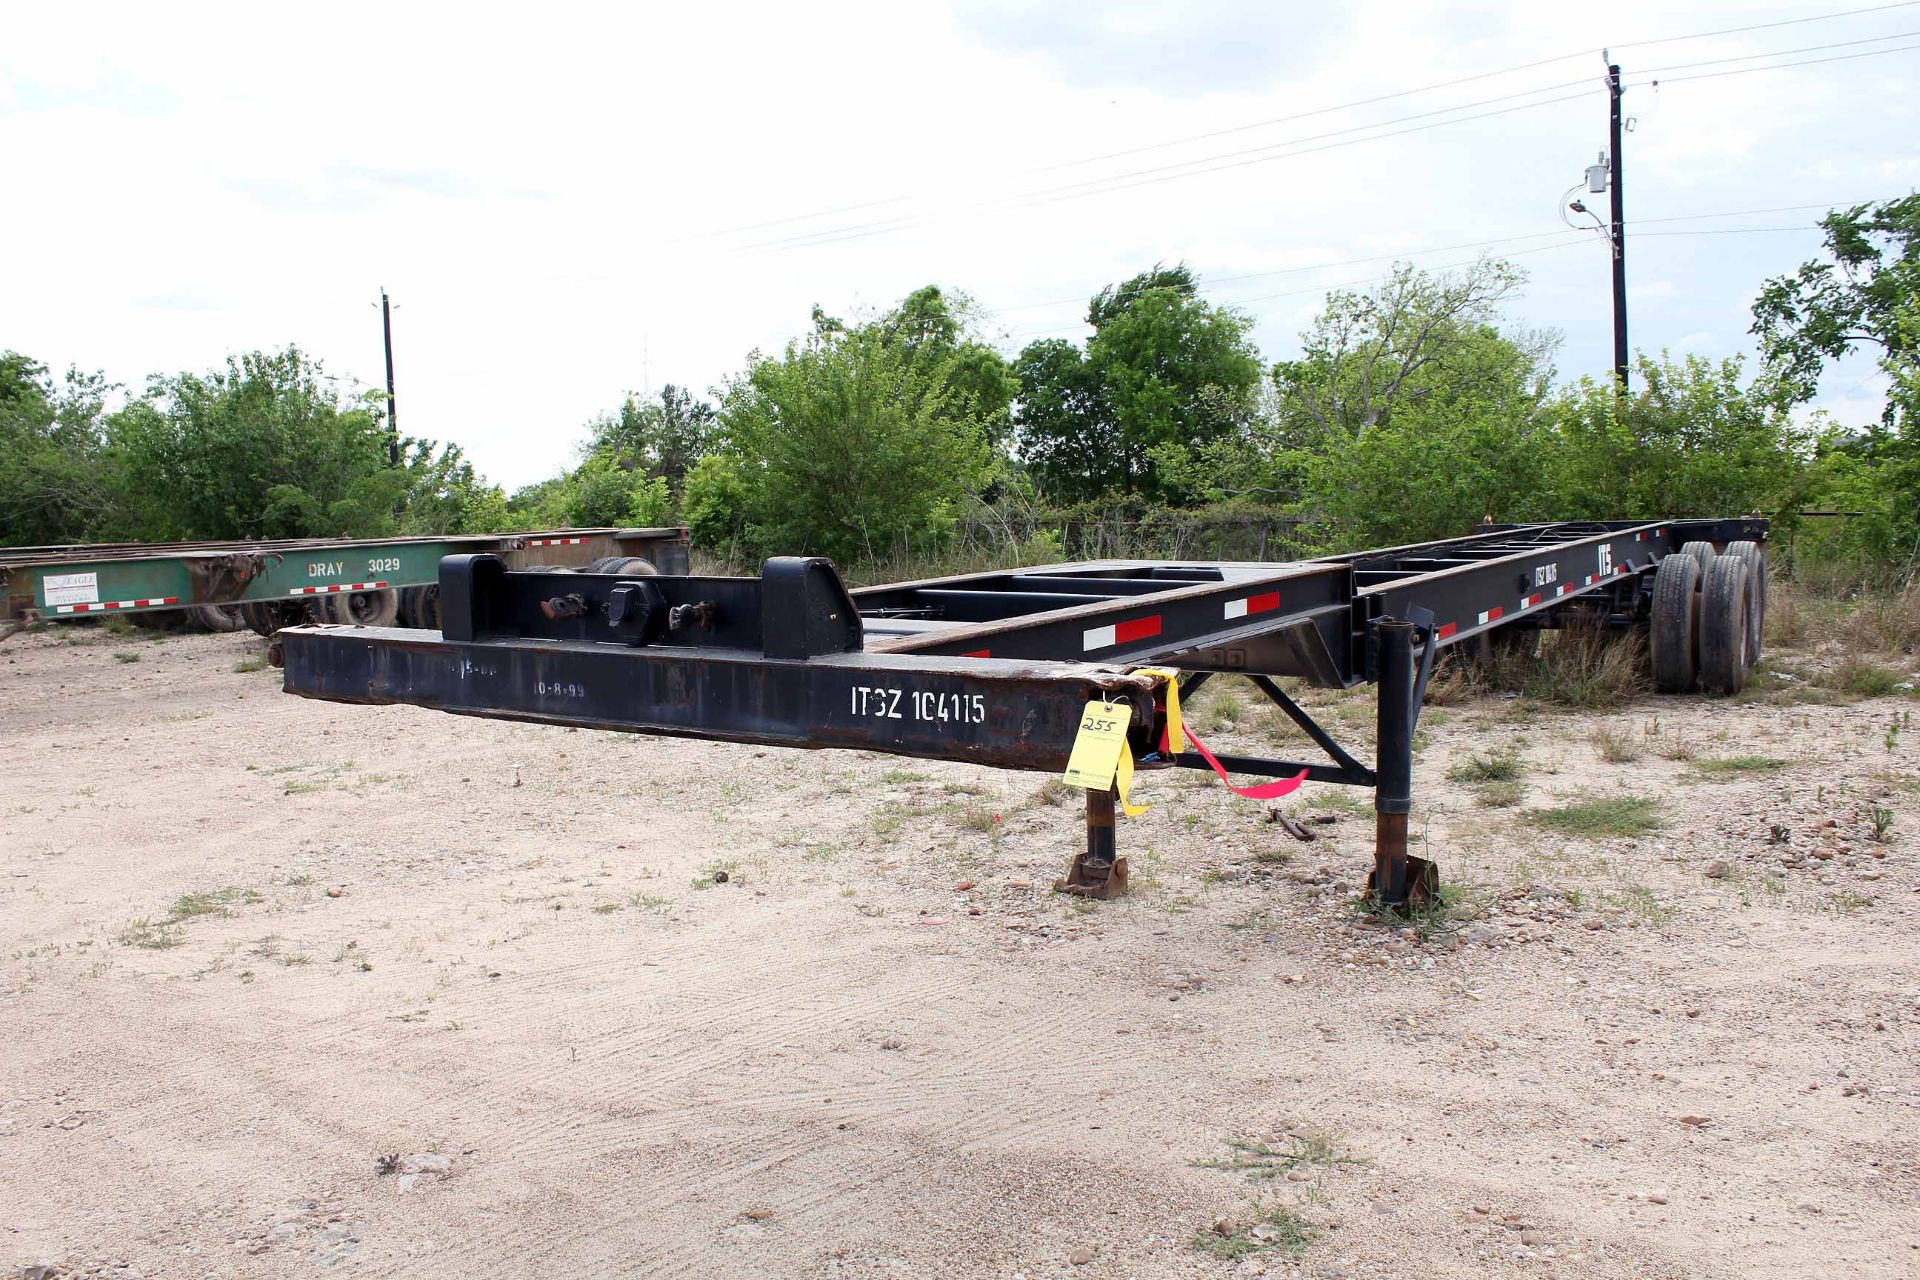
(1010,714)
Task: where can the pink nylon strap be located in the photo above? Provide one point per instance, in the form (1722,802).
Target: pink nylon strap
(1265,791)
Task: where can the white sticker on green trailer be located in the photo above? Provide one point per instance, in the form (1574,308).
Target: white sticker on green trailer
(69,588)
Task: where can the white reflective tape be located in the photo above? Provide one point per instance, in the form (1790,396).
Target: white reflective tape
(151,602)
(1236,608)
(1098,638)
(342,586)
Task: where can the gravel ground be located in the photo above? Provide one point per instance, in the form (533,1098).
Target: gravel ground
(289,987)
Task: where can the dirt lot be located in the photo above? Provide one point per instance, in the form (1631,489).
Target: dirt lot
(250,945)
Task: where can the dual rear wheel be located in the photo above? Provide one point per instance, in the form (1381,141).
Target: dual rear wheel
(1708,609)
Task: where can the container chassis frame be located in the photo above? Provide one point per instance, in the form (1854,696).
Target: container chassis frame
(999,668)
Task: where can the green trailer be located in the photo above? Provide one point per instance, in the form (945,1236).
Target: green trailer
(267,585)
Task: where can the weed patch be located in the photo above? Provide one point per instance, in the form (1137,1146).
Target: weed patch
(1601,816)
(1500,795)
(1260,1160)
(1616,746)
(1495,766)
(1278,1228)
(1723,765)
(1863,679)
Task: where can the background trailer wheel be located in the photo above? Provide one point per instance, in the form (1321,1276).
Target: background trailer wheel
(1725,615)
(420,607)
(1703,554)
(626,566)
(362,608)
(1676,608)
(216,617)
(264,617)
(1750,554)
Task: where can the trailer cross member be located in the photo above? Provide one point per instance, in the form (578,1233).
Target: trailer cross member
(998,668)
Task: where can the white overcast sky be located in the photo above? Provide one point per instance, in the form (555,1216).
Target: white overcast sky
(562,198)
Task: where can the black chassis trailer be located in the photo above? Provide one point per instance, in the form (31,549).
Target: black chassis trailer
(998,668)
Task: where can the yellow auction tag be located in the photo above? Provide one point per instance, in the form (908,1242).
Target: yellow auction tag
(1096,748)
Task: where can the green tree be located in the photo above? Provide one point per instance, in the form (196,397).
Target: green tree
(663,435)
(1408,415)
(1692,440)
(53,483)
(855,441)
(601,493)
(264,448)
(1864,294)
(1165,374)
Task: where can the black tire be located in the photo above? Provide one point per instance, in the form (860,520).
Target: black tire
(1676,609)
(364,608)
(1725,614)
(264,617)
(1755,559)
(1702,552)
(215,617)
(625,566)
(420,607)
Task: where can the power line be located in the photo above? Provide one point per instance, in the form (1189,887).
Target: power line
(840,234)
(1256,155)
(1768,26)
(1483,75)
(1362,102)
(1774,53)
(1079,299)
(1780,66)
(1466,262)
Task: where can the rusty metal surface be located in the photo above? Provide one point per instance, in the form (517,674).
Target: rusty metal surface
(1009,714)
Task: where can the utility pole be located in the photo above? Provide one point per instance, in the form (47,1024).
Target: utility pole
(386,326)
(1617,231)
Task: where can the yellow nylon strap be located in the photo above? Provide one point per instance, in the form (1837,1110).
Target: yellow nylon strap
(1175,742)
(1123,779)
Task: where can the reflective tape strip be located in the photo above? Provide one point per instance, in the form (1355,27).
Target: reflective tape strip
(152,602)
(1446,629)
(1527,602)
(978,653)
(1120,632)
(555,542)
(1492,614)
(344,586)
(1253,604)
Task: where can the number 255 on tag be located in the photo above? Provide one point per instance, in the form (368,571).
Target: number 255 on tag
(1096,748)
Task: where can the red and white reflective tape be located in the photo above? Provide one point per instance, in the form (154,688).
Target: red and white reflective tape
(344,586)
(1492,615)
(1527,602)
(555,542)
(1120,633)
(1445,630)
(978,653)
(1247,605)
(154,602)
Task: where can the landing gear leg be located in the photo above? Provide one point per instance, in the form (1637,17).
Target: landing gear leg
(1100,872)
